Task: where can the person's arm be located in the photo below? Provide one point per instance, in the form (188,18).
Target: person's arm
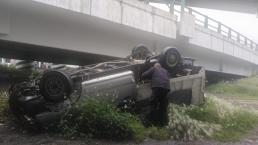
(148,73)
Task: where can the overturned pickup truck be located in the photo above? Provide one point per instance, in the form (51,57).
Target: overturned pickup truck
(43,99)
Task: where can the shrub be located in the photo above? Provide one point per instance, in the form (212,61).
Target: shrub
(99,119)
(183,127)
(215,118)
(236,123)
(213,110)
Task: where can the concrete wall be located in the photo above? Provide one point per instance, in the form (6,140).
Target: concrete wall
(87,25)
(214,51)
(211,40)
(131,13)
(109,27)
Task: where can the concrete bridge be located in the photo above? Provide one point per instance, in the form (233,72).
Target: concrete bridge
(90,31)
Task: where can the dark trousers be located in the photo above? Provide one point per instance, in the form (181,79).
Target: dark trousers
(159,107)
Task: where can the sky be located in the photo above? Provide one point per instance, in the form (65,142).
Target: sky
(246,24)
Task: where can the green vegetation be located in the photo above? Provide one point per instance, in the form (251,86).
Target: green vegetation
(4,107)
(182,126)
(15,73)
(235,121)
(7,69)
(101,120)
(98,119)
(158,133)
(214,119)
(246,88)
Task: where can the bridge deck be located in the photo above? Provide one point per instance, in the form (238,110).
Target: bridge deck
(111,28)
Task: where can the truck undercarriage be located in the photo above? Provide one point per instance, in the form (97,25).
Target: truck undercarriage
(43,99)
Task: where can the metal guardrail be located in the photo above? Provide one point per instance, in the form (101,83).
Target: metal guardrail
(214,25)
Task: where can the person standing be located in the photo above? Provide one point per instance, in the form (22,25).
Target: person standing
(160,87)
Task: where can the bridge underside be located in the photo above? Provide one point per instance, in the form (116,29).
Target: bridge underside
(213,77)
(25,51)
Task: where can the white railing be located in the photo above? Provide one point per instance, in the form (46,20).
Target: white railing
(214,25)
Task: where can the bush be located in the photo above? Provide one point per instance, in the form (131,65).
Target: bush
(215,118)
(99,119)
(183,127)
(213,110)
(236,123)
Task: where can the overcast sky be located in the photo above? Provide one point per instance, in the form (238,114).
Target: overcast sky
(246,24)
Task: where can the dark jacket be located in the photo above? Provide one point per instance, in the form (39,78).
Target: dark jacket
(159,77)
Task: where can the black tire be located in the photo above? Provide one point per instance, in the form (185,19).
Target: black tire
(170,58)
(23,119)
(55,86)
(141,52)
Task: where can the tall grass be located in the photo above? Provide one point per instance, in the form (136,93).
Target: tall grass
(246,88)
(214,119)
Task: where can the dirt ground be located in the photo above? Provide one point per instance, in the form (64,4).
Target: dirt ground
(10,136)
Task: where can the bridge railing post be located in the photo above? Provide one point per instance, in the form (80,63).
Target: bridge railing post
(190,11)
(229,33)
(206,22)
(182,7)
(238,37)
(219,28)
(245,41)
(146,1)
(172,7)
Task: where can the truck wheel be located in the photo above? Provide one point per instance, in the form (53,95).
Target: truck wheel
(55,86)
(170,58)
(141,52)
(20,98)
